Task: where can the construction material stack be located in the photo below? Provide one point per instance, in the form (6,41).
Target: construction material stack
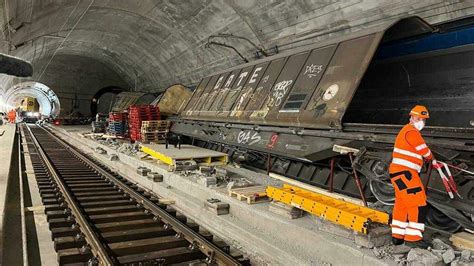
(154,131)
(138,114)
(100,123)
(118,124)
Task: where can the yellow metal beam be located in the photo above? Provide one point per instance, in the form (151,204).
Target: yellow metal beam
(166,159)
(349,215)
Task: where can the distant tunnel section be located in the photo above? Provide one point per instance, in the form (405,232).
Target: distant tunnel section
(48,101)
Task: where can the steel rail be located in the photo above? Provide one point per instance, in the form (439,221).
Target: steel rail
(24,244)
(213,253)
(97,248)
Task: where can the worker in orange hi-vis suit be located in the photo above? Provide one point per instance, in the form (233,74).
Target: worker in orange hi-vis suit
(410,209)
(12,116)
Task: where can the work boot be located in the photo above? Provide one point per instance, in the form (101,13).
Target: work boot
(418,244)
(397,241)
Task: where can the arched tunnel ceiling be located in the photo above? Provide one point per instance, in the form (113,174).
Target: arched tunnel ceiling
(153,44)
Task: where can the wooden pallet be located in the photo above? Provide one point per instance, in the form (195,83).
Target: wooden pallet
(253,194)
(187,152)
(156,123)
(153,137)
(157,132)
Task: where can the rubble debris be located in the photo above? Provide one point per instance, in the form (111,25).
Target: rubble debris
(206,170)
(285,210)
(99,150)
(386,252)
(186,165)
(207,181)
(466,255)
(113,157)
(376,237)
(448,256)
(129,149)
(458,262)
(438,244)
(238,183)
(216,206)
(400,250)
(220,172)
(143,171)
(400,259)
(418,256)
(155,177)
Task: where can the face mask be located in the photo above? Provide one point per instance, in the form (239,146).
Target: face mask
(419,125)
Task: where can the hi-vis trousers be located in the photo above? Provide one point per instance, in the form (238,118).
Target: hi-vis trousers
(409,211)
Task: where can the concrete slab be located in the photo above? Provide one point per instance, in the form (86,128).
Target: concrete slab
(6,148)
(265,237)
(284,210)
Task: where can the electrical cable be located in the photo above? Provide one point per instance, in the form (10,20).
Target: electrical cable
(64,40)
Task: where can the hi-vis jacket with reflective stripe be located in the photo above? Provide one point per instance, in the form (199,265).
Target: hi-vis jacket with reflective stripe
(410,149)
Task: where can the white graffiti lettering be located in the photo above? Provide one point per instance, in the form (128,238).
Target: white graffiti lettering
(254,75)
(247,138)
(218,83)
(241,76)
(229,80)
(313,70)
(279,91)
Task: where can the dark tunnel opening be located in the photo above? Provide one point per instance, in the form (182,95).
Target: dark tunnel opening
(95,101)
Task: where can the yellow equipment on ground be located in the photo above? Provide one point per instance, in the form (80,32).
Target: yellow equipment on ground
(173,156)
(349,215)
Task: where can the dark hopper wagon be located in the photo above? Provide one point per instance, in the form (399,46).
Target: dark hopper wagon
(286,112)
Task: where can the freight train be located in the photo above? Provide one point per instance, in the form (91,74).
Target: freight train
(287,113)
(29,110)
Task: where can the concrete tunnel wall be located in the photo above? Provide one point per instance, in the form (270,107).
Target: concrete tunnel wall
(78,47)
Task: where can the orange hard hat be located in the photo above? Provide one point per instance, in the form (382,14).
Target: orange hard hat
(420,111)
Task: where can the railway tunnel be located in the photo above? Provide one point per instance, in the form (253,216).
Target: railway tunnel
(231,132)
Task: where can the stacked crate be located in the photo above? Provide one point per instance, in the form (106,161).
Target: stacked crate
(118,124)
(154,131)
(138,114)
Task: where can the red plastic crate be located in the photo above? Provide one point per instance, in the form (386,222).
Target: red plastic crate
(118,116)
(138,114)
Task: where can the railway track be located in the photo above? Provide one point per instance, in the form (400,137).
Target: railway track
(97,217)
